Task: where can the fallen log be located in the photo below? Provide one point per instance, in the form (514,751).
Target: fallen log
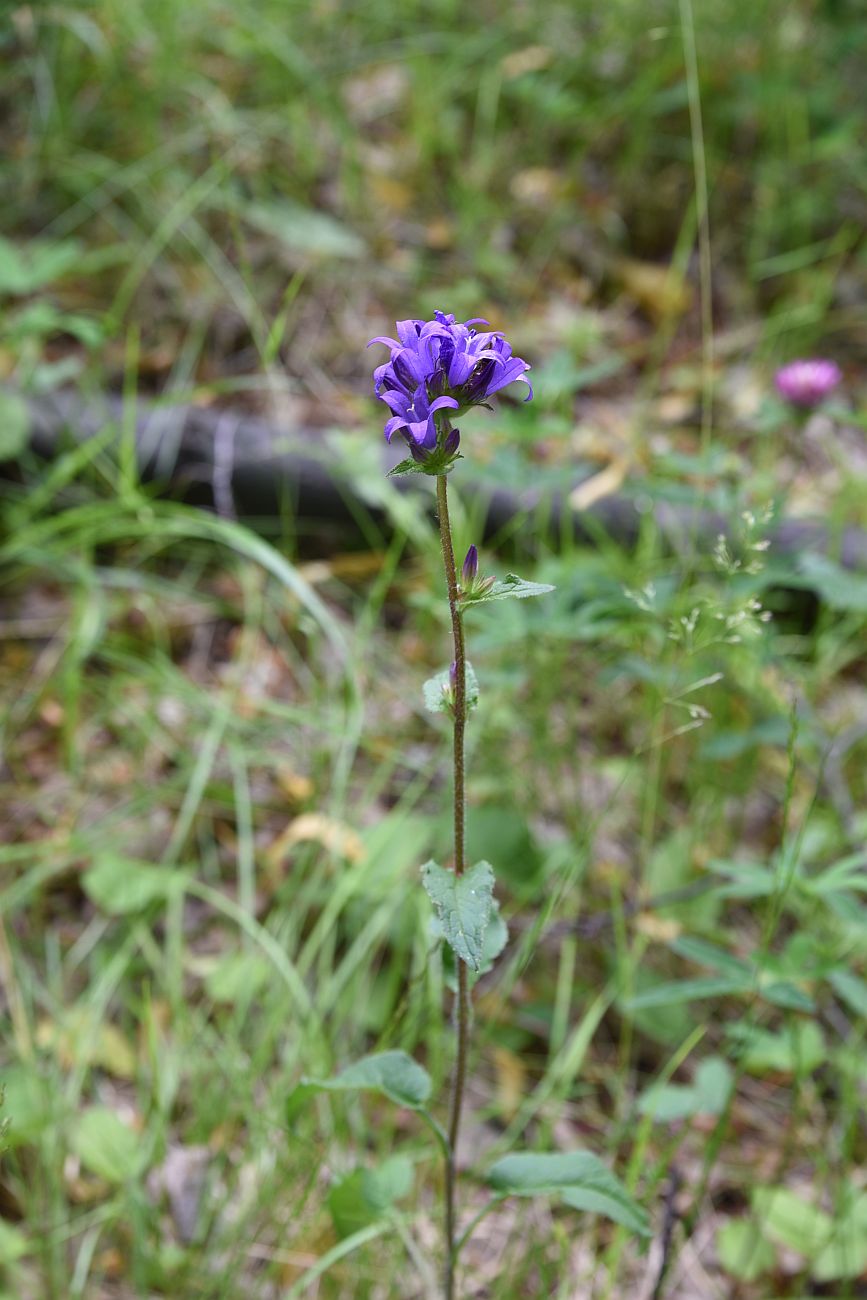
(242,466)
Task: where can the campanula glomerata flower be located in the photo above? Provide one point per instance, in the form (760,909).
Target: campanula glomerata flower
(806,383)
(440,365)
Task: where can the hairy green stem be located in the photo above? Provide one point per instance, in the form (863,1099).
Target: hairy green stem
(463,1000)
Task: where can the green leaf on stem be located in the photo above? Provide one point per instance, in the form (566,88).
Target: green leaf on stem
(496,938)
(463,906)
(580,1179)
(511,586)
(437,691)
(438,462)
(393,1074)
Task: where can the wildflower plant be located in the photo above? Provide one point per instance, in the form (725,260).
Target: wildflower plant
(437,371)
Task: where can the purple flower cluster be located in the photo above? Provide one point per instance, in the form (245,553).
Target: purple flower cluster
(441,365)
(806,383)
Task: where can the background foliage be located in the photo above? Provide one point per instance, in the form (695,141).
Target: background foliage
(220,780)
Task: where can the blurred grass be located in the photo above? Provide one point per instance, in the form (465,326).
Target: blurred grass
(220,781)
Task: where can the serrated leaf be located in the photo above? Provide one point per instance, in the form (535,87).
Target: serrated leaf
(105,1145)
(512,587)
(393,1074)
(743,1251)
(463,906)
(582,1181)
(496,938)
(435,698)
(121,886)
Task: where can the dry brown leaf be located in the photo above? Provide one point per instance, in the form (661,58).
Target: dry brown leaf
(511,1081)
(660,291)
(660,929)
(533,58)
(297,788)
(332,835)
(78,1043)
(599,485)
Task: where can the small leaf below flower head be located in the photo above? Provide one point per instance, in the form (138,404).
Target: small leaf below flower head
(438,697)
(463,905)
(513,586)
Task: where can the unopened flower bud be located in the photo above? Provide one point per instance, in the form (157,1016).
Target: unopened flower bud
(471,566)
(452,442)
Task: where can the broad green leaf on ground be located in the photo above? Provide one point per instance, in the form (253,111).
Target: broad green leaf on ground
(783,993)
(677,991)
(105,1145)
(708,1095)
(13,1244)
(304,230)
(27,1103)
(840,588)
(238,976)
(743,1251)
(709,954)
(434,691)
(851,988)
(24,268)
(580,1179)
(847,874)
(512,587)
(799,1048)
(120,886)
(463,907)
(835,1245)
(364,1195)
(14,426)
(393,1074)
(745,880)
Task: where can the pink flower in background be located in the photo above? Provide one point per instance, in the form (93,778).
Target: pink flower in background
(806,383)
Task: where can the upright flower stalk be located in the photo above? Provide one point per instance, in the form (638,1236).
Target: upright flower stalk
(462,1011)
(438,370)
